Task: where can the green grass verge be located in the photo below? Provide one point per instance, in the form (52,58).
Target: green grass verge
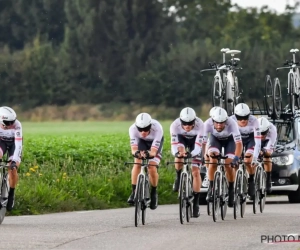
(71,166)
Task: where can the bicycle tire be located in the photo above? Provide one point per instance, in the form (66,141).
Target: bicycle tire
(243,196)
(189,205)
(144,205)
(291,93)
(182,198)
(268,98)
(217,99)
(224,199)
(229,102)
(3,194)
(236,91)
(236,201)
(216,196)
(277,99)
(138,200)
(256,189)
(263,192)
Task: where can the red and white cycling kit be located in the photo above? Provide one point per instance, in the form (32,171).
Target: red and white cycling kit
(270,140)
(250,136)
(226,138)
(182,138)
(11,141)
(153,139)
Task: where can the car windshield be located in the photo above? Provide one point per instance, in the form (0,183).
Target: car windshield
(284,133)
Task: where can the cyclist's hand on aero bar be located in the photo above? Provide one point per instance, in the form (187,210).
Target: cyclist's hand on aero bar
(254,162)
(13,165)
(235,161)
(188,155)
(145,154)
(137,154)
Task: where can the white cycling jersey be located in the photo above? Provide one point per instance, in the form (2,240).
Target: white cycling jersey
(251,127)
(231,128)
(155,135)
(272,137)
(197,131)
(13,135)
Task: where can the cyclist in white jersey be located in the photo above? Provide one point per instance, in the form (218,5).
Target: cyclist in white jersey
(11,141)
(268,139)
(187,131)
(224,132)
(249,129)
(146,140)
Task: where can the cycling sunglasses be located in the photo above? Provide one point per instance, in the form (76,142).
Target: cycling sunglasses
(8,123)
(240,118)
(146,129)
(265,132)
(191,123)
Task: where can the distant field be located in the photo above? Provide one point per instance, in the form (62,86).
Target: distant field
(69,166)
(68,128)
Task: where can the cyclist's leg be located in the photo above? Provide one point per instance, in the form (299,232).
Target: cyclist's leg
(229,148)
(267,164)
(196,163)
(182,142)
(249,150)
(214,149)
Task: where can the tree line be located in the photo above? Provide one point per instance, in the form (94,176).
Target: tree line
(58,52)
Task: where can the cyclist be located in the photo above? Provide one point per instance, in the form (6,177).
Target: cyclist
(187,131)
(146,140)
(11,142)
(224,132)
(249,129)
(268,139)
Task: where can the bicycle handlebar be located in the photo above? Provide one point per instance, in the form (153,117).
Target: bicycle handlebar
(172,162)
(127,163)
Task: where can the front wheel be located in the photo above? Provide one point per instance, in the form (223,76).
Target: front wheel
(216,197)
(256,197)
(146,200)
(182,198)
(237,191)
(224,198)
(189,203)
(138,200)
(3,195)
(263,192)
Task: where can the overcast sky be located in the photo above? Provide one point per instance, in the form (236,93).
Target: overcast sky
(277,5)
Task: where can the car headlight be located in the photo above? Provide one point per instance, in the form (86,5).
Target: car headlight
(283,160)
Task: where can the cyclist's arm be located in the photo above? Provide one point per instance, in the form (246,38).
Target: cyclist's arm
(272,136)
(133,140)
(18,142)
(237,139)
(257,139)
(174,139)
(198,142)
(156,142)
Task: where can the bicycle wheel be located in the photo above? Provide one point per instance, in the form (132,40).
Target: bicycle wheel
(147,199)
(216,96)
(138,200)
(236,91)
(216,197)
(189,203)
(182,197)
(268,95)
(256,197)
(292,93)
(243,194)
(3,194)
(229,102)
(277,99)
(263,192)
(237,190)
(224,198)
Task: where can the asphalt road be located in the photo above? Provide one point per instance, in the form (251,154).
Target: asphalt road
(114,229)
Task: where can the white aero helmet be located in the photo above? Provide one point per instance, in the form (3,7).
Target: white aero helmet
(187,115)
(7,116)
(242,109)
(211,110)
(143,121)
(219,115)
(264,125)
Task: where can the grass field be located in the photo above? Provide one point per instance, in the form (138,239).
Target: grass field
(70,166)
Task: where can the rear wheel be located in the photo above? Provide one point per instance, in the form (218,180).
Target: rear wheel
(268,95)
(277,99)
(138,200)
(182,199)
(216,197)
(217,99)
